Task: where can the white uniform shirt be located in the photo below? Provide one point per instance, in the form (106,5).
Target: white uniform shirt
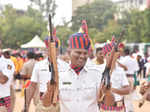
(78,93)
(100,66)
(130,63)
(7,68)
(147,65)
(42,75)
(118,80)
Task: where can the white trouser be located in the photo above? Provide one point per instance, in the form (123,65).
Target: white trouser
(128,103)
(128,99)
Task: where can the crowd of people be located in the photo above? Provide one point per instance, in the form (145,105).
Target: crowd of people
(81,88)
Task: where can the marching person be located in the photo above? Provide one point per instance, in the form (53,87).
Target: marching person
(119,88)
(6,77)
(99,59)
(132,67)
(145,86)
(26,73)
(79,84)
(41,75)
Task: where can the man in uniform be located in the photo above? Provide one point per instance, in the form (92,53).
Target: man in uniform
(119,88)
(27,68)
(6,76)
(26,72)
(41,75)
(99,59)
(132,67)
(79,84)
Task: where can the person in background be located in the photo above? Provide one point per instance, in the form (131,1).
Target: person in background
(39,57)
(7,69)
(26,73)
(145,61)
(27,68)
(128,61)
(99,59)
(147,66)
(141,63)
(41,74)
(17,73)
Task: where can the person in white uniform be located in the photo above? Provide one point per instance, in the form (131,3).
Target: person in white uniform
(99,59)
(6,76)
(79,84)
(132,67)
(119,88)
(41,75)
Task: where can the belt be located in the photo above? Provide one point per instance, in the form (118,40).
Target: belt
(129,75)
(119,105)
(5,101)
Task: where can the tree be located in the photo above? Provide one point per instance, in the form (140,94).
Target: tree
(18,27)
(146,26)
(45,6)
(64,32)
(135,27)
(97,14)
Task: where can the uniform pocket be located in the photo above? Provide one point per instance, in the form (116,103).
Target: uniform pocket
(89,91)
(66,92)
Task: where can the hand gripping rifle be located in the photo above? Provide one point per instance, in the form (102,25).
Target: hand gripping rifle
(106,73)
(53,65)
(105,81)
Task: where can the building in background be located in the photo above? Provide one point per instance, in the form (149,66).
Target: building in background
(131,4)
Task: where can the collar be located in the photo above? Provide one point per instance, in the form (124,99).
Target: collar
(84,68)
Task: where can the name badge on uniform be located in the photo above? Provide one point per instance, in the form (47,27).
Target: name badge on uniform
(44,69)
(67,83)
(9,67)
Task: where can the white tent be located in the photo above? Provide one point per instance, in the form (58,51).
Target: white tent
(36,42)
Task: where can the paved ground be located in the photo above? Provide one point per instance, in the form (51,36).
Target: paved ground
(20,103)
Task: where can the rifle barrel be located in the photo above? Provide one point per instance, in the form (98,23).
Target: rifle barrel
(51,28)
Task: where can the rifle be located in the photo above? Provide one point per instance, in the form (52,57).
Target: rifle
(105,81)
(53,65)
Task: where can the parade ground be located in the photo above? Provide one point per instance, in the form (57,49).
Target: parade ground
(20,103)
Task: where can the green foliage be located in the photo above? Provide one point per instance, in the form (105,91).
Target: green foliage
(138,25)
(63,33)
(146,26)
(134,28)
(45,6)
(97,14)
(18,27)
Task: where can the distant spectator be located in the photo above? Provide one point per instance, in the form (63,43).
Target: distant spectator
(141,64)
(27,68)
(39,57)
